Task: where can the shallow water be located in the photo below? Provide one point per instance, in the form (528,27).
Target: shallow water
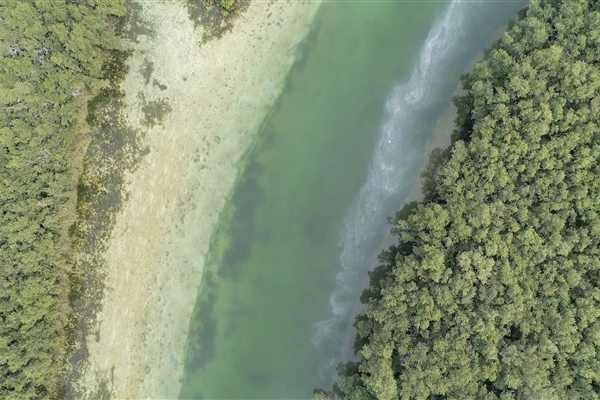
(340,152)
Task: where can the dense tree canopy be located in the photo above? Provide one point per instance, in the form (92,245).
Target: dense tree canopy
(51,58)
(493,291)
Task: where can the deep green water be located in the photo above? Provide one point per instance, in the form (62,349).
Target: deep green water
(274,259)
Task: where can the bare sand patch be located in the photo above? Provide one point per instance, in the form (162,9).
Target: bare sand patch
(200,108)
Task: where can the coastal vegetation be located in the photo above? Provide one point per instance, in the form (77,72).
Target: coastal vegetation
(215,16)
(492,291)
(56,56)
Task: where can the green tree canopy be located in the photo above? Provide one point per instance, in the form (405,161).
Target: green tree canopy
(51,53)
(493,291)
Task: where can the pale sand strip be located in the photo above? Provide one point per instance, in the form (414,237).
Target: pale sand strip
(219,94)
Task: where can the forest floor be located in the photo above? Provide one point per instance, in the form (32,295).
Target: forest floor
(200,106)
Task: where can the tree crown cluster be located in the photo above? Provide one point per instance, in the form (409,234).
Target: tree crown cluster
(493,289)
(52,57)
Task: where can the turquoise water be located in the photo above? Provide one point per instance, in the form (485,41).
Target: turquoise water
(338,154)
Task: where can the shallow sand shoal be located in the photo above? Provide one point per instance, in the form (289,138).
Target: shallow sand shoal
(215,97)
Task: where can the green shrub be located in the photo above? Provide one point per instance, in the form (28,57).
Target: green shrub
(227,4)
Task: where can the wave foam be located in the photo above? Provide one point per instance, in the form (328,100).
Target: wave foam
(392,173)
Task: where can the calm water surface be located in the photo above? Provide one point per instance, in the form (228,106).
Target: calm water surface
(278,296)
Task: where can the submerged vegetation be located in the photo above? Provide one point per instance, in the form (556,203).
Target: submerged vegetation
(493,290)
(55,57)
(215,16)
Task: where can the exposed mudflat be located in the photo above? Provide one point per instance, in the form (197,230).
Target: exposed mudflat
(200,106)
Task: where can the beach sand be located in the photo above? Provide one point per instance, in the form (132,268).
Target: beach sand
(214,97)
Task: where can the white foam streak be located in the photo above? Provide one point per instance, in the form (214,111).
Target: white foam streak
(394,166)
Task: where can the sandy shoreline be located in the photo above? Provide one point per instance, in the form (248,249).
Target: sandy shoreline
(214,98)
